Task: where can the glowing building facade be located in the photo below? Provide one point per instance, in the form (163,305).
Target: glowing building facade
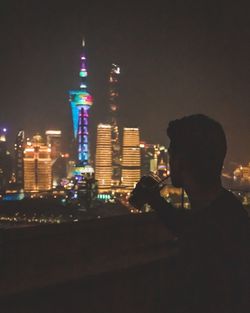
(103,162)
(131,158)
(242,174)
(37,166)
(114,108)
(80,102)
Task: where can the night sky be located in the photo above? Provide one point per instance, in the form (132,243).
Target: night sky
(177,58)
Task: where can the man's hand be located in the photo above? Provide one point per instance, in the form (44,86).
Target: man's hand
(146,190)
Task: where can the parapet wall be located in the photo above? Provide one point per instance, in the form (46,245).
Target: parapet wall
(38,257)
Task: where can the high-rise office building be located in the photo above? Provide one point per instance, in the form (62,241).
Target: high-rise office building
(54,141)
(147,158)
(37,166)
(114,108)
(5,160)
(131,159)
(81,101)
(103,161)
(19,153)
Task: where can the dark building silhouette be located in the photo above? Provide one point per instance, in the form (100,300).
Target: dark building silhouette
(54,141)
(59,169)
(147,157)
(5,161)
(114,108)
(154,158)
(19,153)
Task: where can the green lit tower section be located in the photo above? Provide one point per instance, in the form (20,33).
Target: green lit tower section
(80,102)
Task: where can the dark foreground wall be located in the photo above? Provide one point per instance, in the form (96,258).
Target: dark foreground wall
(119,264)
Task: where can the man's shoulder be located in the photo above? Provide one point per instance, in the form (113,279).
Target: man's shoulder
(229,212)
(228,203)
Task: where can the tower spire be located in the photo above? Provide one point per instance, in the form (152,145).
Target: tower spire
(81,101)
(83,68)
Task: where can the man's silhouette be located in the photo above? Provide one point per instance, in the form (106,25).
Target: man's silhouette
(212,267)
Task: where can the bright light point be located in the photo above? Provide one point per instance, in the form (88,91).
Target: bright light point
(53,132)
(83,42)
(83,73)
(4,130)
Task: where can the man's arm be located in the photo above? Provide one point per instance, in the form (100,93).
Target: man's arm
(147,191)
(174,218)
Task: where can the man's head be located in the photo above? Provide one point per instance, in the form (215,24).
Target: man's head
(197,149)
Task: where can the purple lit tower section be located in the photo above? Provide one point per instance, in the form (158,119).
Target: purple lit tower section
(80,102)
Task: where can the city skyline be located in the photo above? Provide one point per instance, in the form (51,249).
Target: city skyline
(192,58)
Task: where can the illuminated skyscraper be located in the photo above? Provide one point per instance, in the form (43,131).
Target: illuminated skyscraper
(81,101)
(113,105)
(131,159)
(54,141)
(5,160)
(103,163)
(19,152)
(37,166)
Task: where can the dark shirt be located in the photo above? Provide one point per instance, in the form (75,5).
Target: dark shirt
(213,263)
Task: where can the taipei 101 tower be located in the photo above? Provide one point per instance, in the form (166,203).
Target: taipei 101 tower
(80,102)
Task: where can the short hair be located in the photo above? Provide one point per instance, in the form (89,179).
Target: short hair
(201,141)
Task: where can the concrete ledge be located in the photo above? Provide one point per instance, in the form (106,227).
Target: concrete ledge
(48,255)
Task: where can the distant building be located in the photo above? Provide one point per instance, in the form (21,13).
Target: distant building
(59,169)
(37,166)
(19,153)
(162,161)
(70,168)
(131,159)
(154,158)
(54,141)
(147,158)
(242,174)
(5,161)
(59,160)
(114,109)
(103,161)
